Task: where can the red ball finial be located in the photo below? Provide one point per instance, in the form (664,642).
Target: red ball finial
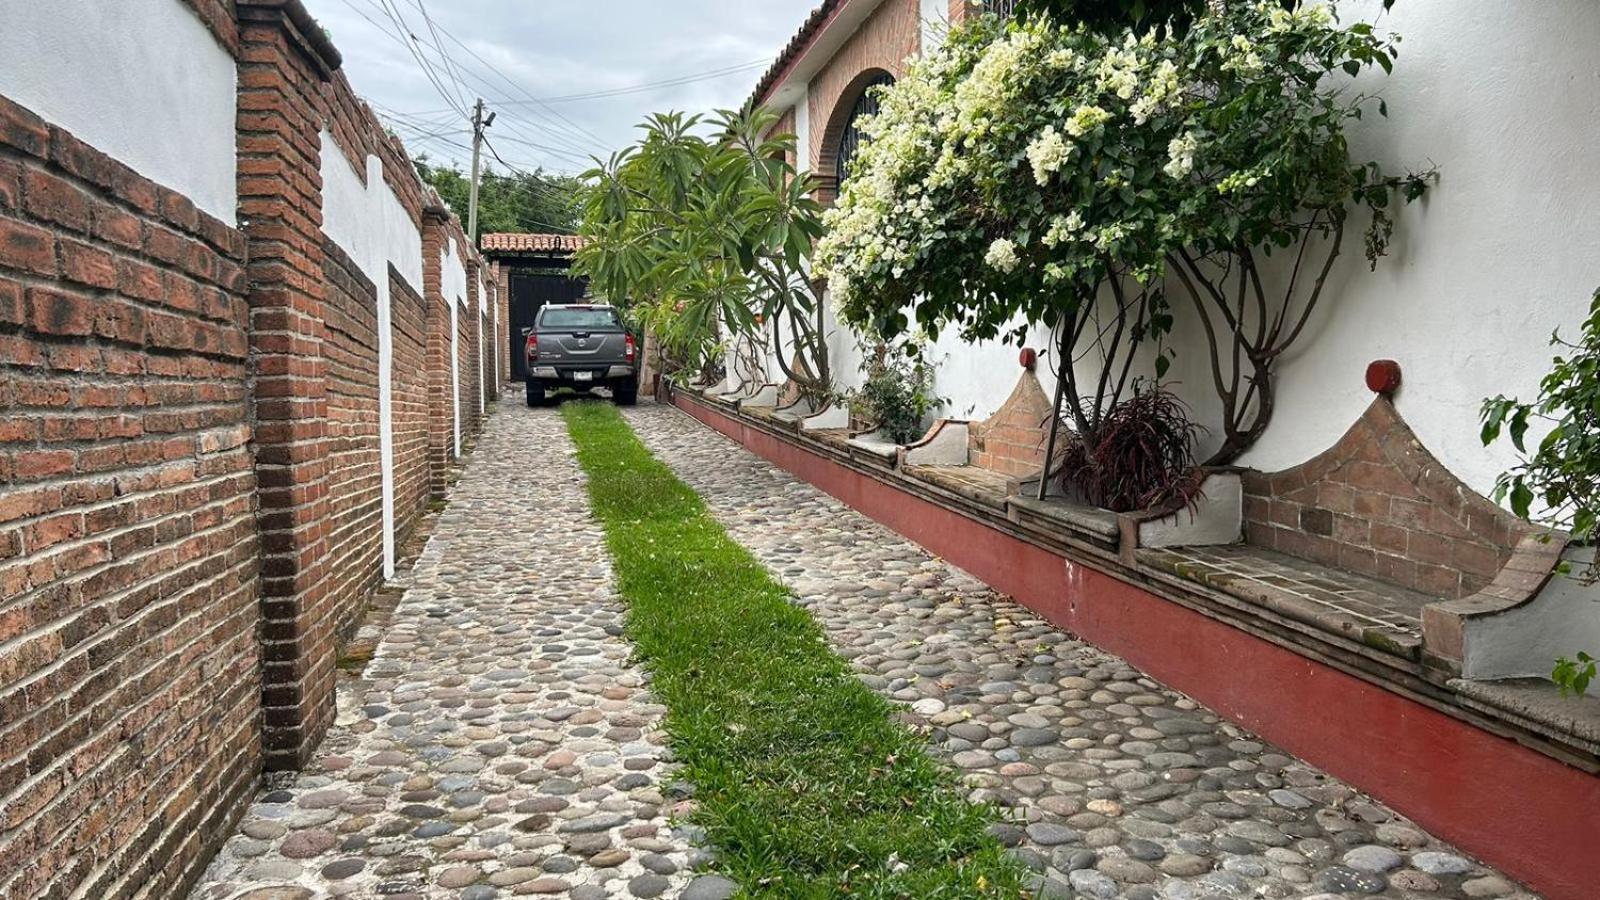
(1383,376)
(1028,358)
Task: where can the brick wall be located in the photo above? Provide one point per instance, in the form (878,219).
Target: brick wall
(1012,440)
(1378,503)
(190,477)
(280,195)
(883,42)
(471,371)
(129,683)
(408,315)
(437,354)
(355,476)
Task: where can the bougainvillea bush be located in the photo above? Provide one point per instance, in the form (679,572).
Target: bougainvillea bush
(1040,173)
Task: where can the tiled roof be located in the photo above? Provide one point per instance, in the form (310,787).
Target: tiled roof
(513,242)
(795,47)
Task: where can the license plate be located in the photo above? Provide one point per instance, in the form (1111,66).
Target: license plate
(582,376)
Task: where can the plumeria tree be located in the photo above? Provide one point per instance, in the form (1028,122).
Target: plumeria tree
(705,231)
(1040,173)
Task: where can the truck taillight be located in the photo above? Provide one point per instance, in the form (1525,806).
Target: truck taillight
(532,350)
(628,348)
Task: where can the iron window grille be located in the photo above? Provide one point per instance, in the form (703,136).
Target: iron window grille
(1005,9)
(850,140)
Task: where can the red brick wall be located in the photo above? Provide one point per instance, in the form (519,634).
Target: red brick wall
(355,477)
(1378,503)
(129,679)
(471,380)
(883,42)
(190,482)
(441,435)
(280,197)
(408,322)
(1012,440)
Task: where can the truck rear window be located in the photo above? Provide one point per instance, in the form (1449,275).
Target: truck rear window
(579,318)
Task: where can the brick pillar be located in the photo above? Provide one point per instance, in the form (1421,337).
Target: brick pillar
(471,355)
(496,341)
(502,289)
(284,61)
(435,221)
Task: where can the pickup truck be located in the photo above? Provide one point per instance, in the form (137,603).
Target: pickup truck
(581,346)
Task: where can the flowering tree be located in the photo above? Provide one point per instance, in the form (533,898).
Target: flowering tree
(1039,173)
(707,238)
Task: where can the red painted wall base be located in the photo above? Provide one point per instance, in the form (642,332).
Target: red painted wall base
(1526,814)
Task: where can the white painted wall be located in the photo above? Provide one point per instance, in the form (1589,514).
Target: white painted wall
(143,81)
(370,225)
(935,23)
(1524,642)
(1505,248)
(453,284)
(802,130)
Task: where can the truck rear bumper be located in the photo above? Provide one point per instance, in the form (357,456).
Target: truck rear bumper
(581,374)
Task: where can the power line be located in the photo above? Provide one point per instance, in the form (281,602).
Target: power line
(549,130)
(415,46)
(520,89)
(400,36)
(640,87)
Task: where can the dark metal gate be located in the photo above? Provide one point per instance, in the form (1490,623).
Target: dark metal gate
(531,292)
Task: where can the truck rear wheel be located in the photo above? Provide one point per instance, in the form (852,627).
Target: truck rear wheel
(626,394)
(535,393)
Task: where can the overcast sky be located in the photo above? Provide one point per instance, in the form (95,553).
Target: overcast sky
(551,50)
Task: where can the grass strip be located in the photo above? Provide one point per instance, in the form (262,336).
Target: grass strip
(804,783)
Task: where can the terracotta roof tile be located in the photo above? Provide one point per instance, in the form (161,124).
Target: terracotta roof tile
(511,242)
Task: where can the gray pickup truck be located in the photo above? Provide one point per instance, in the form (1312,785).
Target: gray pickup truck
(582,346)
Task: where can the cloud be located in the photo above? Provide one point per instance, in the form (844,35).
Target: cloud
(512,51)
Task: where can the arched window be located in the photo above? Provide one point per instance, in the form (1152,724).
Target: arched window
(850,139)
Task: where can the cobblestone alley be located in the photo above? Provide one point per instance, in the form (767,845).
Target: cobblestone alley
(500,744)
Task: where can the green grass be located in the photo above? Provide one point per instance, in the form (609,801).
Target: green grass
(805,785)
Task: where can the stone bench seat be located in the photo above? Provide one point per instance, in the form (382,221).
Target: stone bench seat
(980,485)
(1379,615)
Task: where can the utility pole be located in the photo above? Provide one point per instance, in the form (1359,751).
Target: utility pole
(479,123)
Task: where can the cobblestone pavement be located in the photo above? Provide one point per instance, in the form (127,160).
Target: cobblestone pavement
(499,744)
(1119,787)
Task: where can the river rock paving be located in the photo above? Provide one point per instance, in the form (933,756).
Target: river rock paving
(1113,785)
(499,744)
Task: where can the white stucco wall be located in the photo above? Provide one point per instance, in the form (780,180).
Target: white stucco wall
(1505,248)
(143,81)
(453,284)
(935,23)
(371,226)
(802,131)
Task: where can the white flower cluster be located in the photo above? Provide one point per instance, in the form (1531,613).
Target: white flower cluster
(1280,20)
(1086,119)
(1161,92)
(1063,229)
(1048,152)
(938,185)
(1002,255)
(1180,154)
(1244,59)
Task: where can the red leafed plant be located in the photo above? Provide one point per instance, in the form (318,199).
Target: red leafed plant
(1142,458)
